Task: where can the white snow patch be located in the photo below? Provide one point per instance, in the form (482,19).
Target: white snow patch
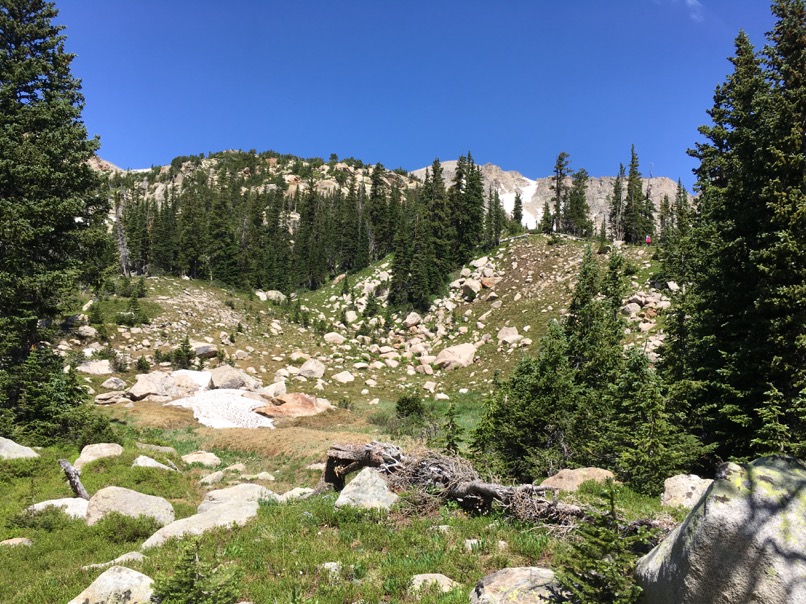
(527,192)
(225,408)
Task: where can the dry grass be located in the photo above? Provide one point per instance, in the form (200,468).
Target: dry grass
(146,414)
(300,443)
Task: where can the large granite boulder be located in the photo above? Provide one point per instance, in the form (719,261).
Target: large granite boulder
(521,585)
(312,369)
(294,404)
(222,508)
(453,357)
(368,490)
(742,543)
(75,507)
(11,450)
(156,385)
(229,377)
(570,480)
(97,451)
(118,584)
(684,490)
(129,503)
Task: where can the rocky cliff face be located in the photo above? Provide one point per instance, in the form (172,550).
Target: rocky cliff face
(535,193)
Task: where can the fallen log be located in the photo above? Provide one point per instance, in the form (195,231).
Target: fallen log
(74,479)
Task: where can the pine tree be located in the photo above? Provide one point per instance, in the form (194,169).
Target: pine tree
(517,212)
(578,219)
(636,224)
(616,211)
(48,194)
(546,220)
(560,188)
(742,348)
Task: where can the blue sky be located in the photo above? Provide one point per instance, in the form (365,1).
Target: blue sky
(515,82)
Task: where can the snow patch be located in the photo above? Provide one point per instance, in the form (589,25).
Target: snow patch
(225,408)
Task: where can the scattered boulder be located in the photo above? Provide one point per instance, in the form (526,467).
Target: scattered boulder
(203,350)
(143,461)
(117,584)
(480,262)
(97,451)
(75,507)
(129,503)
(11,450)
(236,495)
(461,355)
(128,557)
(297,493)
(112,397)
(221,508)
(213,478)
(312,369)
(412,320)
(570,480)
(227,377)
(273,390)
(275,296)
(334,338)
(87,332)
(470,289)
(294,404)
(154,384)
(114,383)
(205,458)
(684,490)
(156,448)
(344,377)
(741,544)
(368,490)
(187,379)
(99,367)
(425,581)
(16,542)
(521,584)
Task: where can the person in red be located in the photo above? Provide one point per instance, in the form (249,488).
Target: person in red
(648,240)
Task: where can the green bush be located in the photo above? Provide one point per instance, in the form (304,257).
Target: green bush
(409,405)
(119,528)
(196,582)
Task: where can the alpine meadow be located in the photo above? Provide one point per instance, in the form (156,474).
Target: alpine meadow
(250,376)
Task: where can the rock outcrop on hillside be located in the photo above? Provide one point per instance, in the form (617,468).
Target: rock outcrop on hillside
(535,192)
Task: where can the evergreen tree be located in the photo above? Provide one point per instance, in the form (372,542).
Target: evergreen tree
(742,349)
(517,211)
(578,219)
(560,188)
(48,193)
(546,220)
(637,225)
(616,211)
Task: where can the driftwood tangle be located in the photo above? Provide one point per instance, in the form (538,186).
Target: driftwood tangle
(74,479)
(447,477)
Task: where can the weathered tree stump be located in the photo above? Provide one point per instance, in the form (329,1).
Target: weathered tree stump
(74,479)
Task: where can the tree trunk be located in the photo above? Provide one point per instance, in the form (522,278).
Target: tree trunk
(73,479)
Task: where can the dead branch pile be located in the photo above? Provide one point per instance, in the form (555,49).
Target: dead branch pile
(446,477)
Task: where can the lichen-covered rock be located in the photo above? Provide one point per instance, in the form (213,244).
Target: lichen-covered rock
(516,585)
(368,490)
(742,543)
(117,584)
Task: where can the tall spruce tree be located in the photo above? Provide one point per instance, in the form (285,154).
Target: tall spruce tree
(517,212)
(49,199)
(636,224)
(616,209)
(578,219)
(561,173)
(739,359)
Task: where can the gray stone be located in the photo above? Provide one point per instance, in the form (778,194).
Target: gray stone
(208,460)
(11,450)
(114,383)
(75,507)
(192,381)
(156,383)
(87,332)
(344,377)
(570,480)
(312,369)
(16,542)
(412,320)
(102,367)
(203,350)
(522,585)
(231,378)
(297,493)
(425,581)
(129,503)
(470,289)
(741,544)
(144,461)
(128,557)
(213,478)
(111,398)
(116,585)
(334,338)
(368,490)
(240,493)
(684,490)
(156,448)
(97,451)
(457,356)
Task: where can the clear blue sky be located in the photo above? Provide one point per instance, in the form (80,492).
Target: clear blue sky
(515,82)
